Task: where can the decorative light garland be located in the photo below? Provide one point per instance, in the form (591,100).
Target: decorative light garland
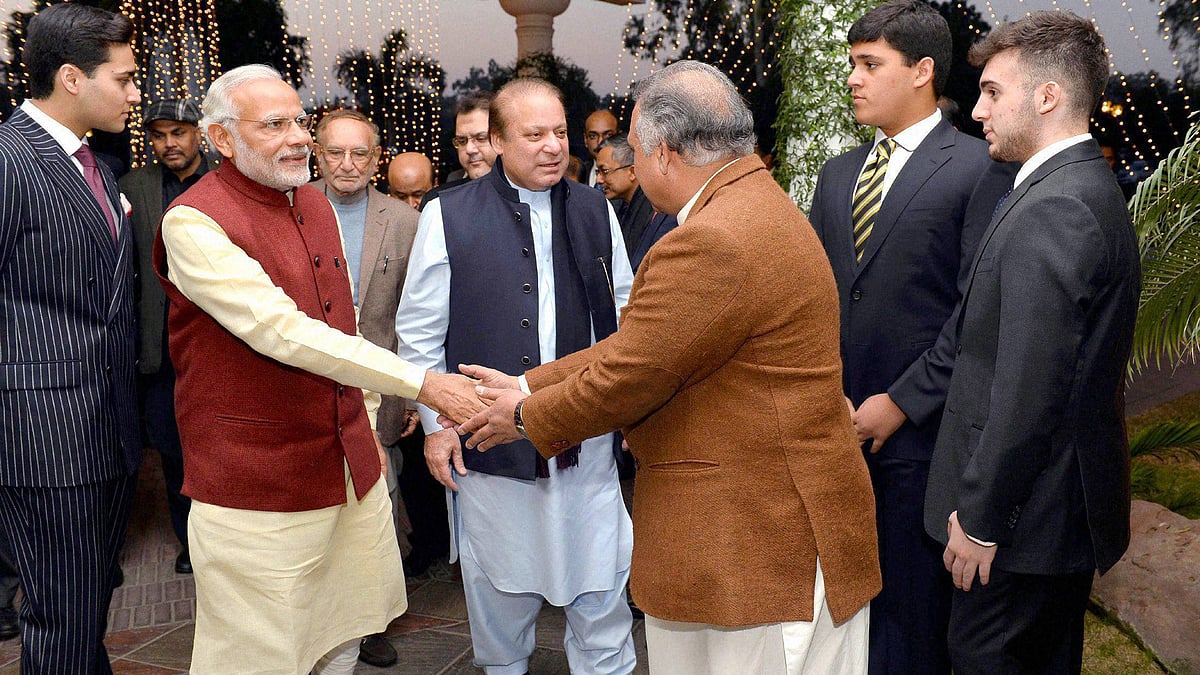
(177,46)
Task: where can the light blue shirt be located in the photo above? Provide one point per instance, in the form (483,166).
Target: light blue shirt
(352,216)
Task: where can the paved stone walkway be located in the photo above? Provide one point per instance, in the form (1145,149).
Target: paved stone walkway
(150,619)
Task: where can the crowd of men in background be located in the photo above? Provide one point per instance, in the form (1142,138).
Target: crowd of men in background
(885,437)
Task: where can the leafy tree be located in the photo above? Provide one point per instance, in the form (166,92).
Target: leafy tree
(966,28)
(739,38)
(248,31)
(400,90)
(254,31)
(1181,21)
(573,80)
(1166,213)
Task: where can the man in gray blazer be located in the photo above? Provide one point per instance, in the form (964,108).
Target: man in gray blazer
(174,135)
(1029,483)
(69,441)
(378,232)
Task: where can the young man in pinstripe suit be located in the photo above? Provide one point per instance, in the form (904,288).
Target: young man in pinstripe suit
(69,442)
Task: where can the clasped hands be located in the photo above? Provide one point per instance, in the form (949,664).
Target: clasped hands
(481,405)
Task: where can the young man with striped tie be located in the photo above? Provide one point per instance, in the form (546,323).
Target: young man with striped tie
(891,215)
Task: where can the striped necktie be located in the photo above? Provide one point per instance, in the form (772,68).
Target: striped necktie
(868,195)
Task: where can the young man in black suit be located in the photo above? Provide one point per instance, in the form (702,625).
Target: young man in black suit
(69,445)
(892,217)
(1029,485)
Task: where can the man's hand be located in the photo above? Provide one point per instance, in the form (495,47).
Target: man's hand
(441,449)
(490,377)
(494,426)
(877,419)
(452,395)
(411,419)
(964,557)
(383,458)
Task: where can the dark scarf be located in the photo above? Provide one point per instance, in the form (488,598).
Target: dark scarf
(574,328)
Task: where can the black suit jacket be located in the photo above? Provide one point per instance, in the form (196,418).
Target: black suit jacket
(69,413)
(144,189)
(634,217)
(896,305)
(1032,451)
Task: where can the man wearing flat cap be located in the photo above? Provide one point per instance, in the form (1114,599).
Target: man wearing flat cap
(172,129)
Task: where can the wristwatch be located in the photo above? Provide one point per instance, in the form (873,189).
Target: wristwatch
(520,424)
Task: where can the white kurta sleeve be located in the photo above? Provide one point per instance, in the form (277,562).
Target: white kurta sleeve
(423,315)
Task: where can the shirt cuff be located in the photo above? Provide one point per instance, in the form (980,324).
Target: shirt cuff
(524,384)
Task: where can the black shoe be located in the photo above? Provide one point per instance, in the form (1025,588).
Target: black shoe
(9,626)
(376,651)
(417,563)
(636,611)
(118,577)
(183,563)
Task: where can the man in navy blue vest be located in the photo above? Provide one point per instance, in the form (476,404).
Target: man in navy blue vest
(515,269)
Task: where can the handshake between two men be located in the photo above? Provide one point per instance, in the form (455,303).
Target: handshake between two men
(482,406)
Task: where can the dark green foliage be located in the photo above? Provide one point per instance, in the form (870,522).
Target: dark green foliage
(399,90)
(739,38)
(252,31)
(574,81)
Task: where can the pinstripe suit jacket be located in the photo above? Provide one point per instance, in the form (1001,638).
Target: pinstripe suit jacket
(68,407)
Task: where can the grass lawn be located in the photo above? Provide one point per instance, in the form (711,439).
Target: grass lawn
(1174,481)
(1109,651)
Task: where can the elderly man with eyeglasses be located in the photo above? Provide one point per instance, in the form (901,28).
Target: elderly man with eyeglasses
(377,233)
(293,547)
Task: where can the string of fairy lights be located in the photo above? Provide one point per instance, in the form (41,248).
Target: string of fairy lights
(341,28)
(1121,118)
(178,43)
(746,44)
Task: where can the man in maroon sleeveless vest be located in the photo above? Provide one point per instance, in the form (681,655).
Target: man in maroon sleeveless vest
(289,510)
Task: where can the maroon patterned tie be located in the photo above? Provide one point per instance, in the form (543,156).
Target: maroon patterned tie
(91,174)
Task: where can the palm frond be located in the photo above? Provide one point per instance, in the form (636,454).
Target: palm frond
(1166,213)
(1165,439)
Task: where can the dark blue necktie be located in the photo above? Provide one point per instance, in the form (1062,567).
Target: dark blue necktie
(1000,202)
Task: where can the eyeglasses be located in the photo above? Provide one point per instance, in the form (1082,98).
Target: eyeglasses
(599,135)
(605,172)
(359,156)
(277,126)
(480,138)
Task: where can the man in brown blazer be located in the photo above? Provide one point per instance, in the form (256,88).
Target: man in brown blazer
(378,231)
(754,527)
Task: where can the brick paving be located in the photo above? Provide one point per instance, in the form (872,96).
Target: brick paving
(150,619)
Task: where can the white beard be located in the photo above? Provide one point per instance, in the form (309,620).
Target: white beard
(268,171)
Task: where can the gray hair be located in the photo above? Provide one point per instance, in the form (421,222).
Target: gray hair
(695,109)
(218,105)
(622,151)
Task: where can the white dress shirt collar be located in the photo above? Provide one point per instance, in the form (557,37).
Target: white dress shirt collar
(687,208)
(536,199)
(1045,154)
(915,134)
(58,131)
